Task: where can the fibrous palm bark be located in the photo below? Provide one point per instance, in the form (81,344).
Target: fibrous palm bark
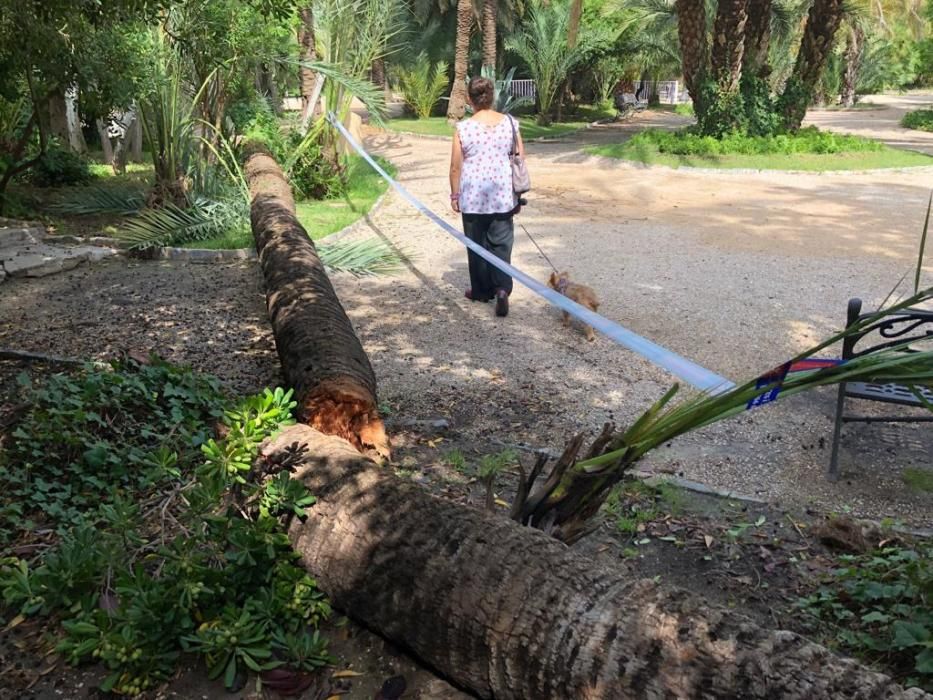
(691,30)
(758,38)
(490,13)
(307,54)
(456,107)
(510,612)
(855,41)
(729,44)
(815,47)
(321,356)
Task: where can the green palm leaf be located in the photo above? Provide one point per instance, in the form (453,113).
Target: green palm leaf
(366,258)
(123,201)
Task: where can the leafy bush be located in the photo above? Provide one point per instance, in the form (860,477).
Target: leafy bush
(879,606)
(255,120)
(170,540)
(312,173)
(60,167)
(422,88)
(921,119)
(808,140)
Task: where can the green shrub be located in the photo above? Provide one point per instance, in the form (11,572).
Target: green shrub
(808,140)
(312,173)
(169,540)
(422,87)
(921,119)
(60,167)
(255,120)
(879,606)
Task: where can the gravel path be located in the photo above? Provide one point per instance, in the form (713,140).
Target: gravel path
(736,271)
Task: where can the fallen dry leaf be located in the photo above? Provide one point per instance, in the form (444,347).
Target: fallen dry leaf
(346,674)
(708,540)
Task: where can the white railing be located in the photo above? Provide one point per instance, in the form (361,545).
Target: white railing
(668,91)
(521,88)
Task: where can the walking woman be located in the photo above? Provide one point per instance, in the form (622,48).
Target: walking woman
(481,190)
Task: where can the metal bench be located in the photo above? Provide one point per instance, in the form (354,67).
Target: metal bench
(899,329)
(627,102)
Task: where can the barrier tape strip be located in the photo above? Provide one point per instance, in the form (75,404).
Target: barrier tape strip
(690,372)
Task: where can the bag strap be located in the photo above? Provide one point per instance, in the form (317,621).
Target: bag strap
(514,151)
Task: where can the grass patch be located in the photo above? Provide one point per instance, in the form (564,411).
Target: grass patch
(438,126)
(322,217)
(634,504)
(918,479)
(809,149)
(921,119)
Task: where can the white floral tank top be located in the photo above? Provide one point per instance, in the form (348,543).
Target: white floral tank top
(486,175)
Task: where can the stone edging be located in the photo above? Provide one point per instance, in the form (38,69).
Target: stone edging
(208,255)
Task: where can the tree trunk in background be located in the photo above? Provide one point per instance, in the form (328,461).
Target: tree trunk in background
(489,34)
(265,85)
(105,144)
(307,52)
(758,38)
(377,74)
(321,357)
(691,30)
(511,613)
(853,57)
(573,23)
(815,47)
(456,106)
(729,44)
(63,122)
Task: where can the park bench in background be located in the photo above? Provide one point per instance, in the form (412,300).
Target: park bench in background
(896,329)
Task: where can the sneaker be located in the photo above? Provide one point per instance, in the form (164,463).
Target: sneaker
(502,303)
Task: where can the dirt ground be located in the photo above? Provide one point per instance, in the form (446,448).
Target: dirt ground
(736,271)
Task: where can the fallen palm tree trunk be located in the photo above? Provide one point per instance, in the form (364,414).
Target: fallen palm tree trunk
(509,612)
(321,357)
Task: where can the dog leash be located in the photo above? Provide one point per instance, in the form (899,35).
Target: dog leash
(531,238)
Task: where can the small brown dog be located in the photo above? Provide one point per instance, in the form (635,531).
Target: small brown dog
(579,293)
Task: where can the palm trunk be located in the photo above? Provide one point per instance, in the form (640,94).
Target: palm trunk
(321,357)
(456,106)
(691,30)
(307,53)
(510,613)
(758,38)
(729,44)
(853,58)
(490,10)
(815,47)
(105,144)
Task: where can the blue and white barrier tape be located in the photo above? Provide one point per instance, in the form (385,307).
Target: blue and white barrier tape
(690,372)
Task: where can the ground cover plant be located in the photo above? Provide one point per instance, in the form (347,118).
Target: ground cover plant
(921,119)
(808,149)
(878,606)
(142,531)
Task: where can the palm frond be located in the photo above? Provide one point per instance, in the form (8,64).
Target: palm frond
(923,245)
(172,225)
(360,88)
(891,365)
(364,258)
(123,201)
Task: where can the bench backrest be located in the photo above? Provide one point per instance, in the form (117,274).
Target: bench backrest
(897,329)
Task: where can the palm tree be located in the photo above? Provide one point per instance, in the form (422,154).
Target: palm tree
(758,38)
(456,107)
(729,44)
(816,46)
(307,54)
(691,29)
(542,45)
(855,44)
(490,14)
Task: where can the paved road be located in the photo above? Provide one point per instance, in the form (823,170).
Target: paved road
(883,123)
